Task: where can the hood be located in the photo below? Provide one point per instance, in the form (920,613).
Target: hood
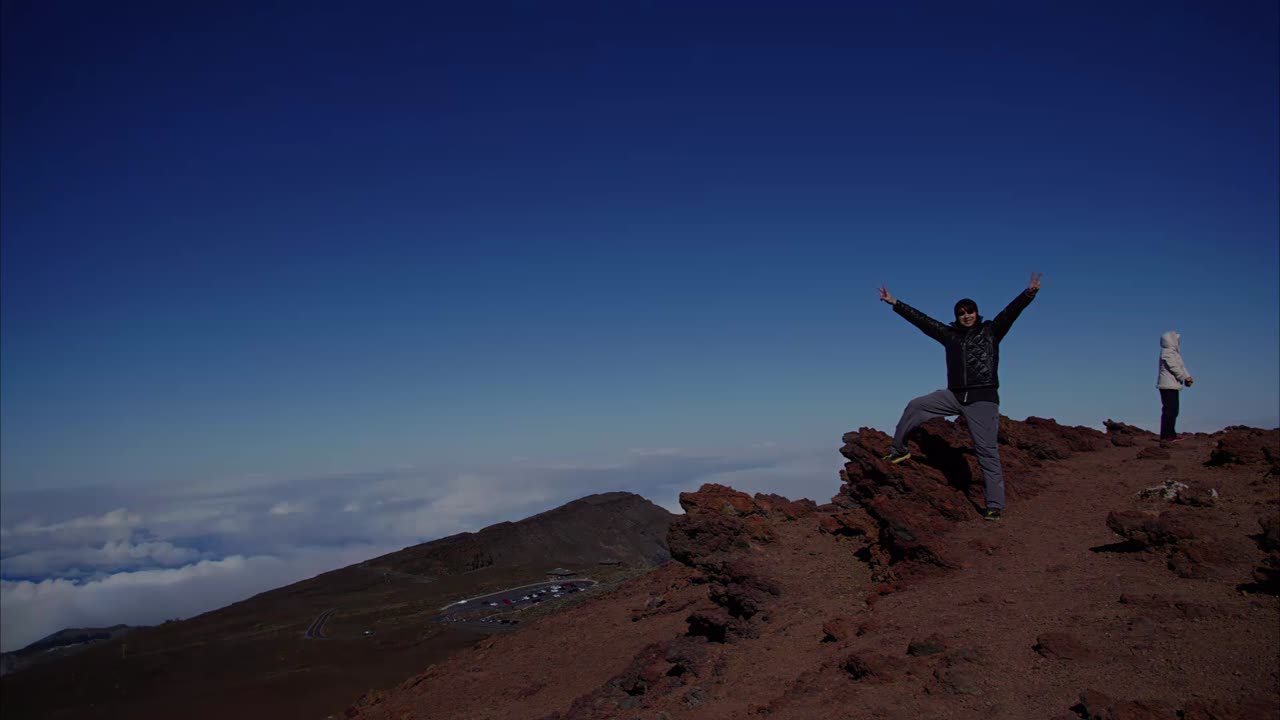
(1170,340)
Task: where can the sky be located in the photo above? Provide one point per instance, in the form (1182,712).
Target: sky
(284,286)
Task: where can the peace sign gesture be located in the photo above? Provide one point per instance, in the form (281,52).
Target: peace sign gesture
(885,296)
(1034,286)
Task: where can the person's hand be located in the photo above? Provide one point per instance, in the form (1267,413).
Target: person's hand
(885,296)
(1190,380)
(1034,286)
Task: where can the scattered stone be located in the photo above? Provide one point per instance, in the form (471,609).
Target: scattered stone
(1198,497)
(1198,560)
(1247,446)
(1270,539)
(1122,435)
(694,698)
(1149,529)
(1153,453)
(1167,490)
(1094,705)
(871,667)
(957,680)
(963,656)
(931,645)
(1062,646)
(837,629)
(1266,577)
(713,624)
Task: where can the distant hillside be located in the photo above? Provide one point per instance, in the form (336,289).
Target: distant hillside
(374,622)
(609,527)
(58,645)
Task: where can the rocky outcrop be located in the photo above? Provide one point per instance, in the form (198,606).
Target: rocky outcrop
(719,534)
(912,504)
(792,610)
(1122,435)
(1241,445)
(664,668)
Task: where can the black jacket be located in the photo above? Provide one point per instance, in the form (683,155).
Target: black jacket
(973,354)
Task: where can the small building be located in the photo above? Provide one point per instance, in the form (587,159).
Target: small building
(560,573)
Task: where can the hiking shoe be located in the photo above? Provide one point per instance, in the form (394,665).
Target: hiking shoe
(895,458)
(1176,438)
(992,514)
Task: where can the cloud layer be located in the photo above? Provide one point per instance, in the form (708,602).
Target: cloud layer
(88,559)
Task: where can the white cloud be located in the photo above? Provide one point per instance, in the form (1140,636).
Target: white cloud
(180,551)
(287,508)
(113,522)
(114,555)
(32,610)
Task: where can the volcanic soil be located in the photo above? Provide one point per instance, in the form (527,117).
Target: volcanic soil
(1125,580)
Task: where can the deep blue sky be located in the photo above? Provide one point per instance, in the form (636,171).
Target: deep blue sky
(247,240)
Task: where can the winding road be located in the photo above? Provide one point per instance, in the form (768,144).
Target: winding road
(315,631)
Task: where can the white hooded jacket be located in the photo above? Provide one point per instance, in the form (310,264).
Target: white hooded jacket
(1172,372)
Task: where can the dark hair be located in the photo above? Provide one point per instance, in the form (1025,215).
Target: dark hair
(966,304)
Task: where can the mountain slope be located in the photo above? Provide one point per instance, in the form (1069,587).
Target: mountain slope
(252,659)
(617,527)
(1091,598)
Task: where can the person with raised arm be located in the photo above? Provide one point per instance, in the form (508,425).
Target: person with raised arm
(973,360)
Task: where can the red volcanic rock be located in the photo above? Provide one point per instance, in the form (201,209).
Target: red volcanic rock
(1063,645)
(1149,529)
(854,522)
(778,506)
(1247,446)
(872,667)
(1153,453)
(1097,706)
(1266,576)
(838,629)
(958,681)
(780,618)
(713,498)
(1045,439)
(718,626)
(1270,532)
(1199,559)
(915,502)
(1122,435)
(660,670)
(931,645)
(721,534)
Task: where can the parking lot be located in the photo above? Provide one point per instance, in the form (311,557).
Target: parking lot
(497,610)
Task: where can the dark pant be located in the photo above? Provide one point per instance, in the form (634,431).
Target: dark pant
(983,419)
(1168,413)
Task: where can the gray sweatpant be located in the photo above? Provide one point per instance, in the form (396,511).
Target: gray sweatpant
(983,419)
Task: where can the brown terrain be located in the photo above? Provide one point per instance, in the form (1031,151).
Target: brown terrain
(1127,581)
(251,660)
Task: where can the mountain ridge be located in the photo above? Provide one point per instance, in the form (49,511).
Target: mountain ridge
(1127,580)
(283,653)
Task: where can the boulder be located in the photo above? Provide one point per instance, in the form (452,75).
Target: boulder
(1247,446)
(1062,646)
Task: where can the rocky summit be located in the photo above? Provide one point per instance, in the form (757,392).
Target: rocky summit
(1125,580)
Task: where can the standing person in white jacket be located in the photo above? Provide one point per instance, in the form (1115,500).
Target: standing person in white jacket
(1173,374)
